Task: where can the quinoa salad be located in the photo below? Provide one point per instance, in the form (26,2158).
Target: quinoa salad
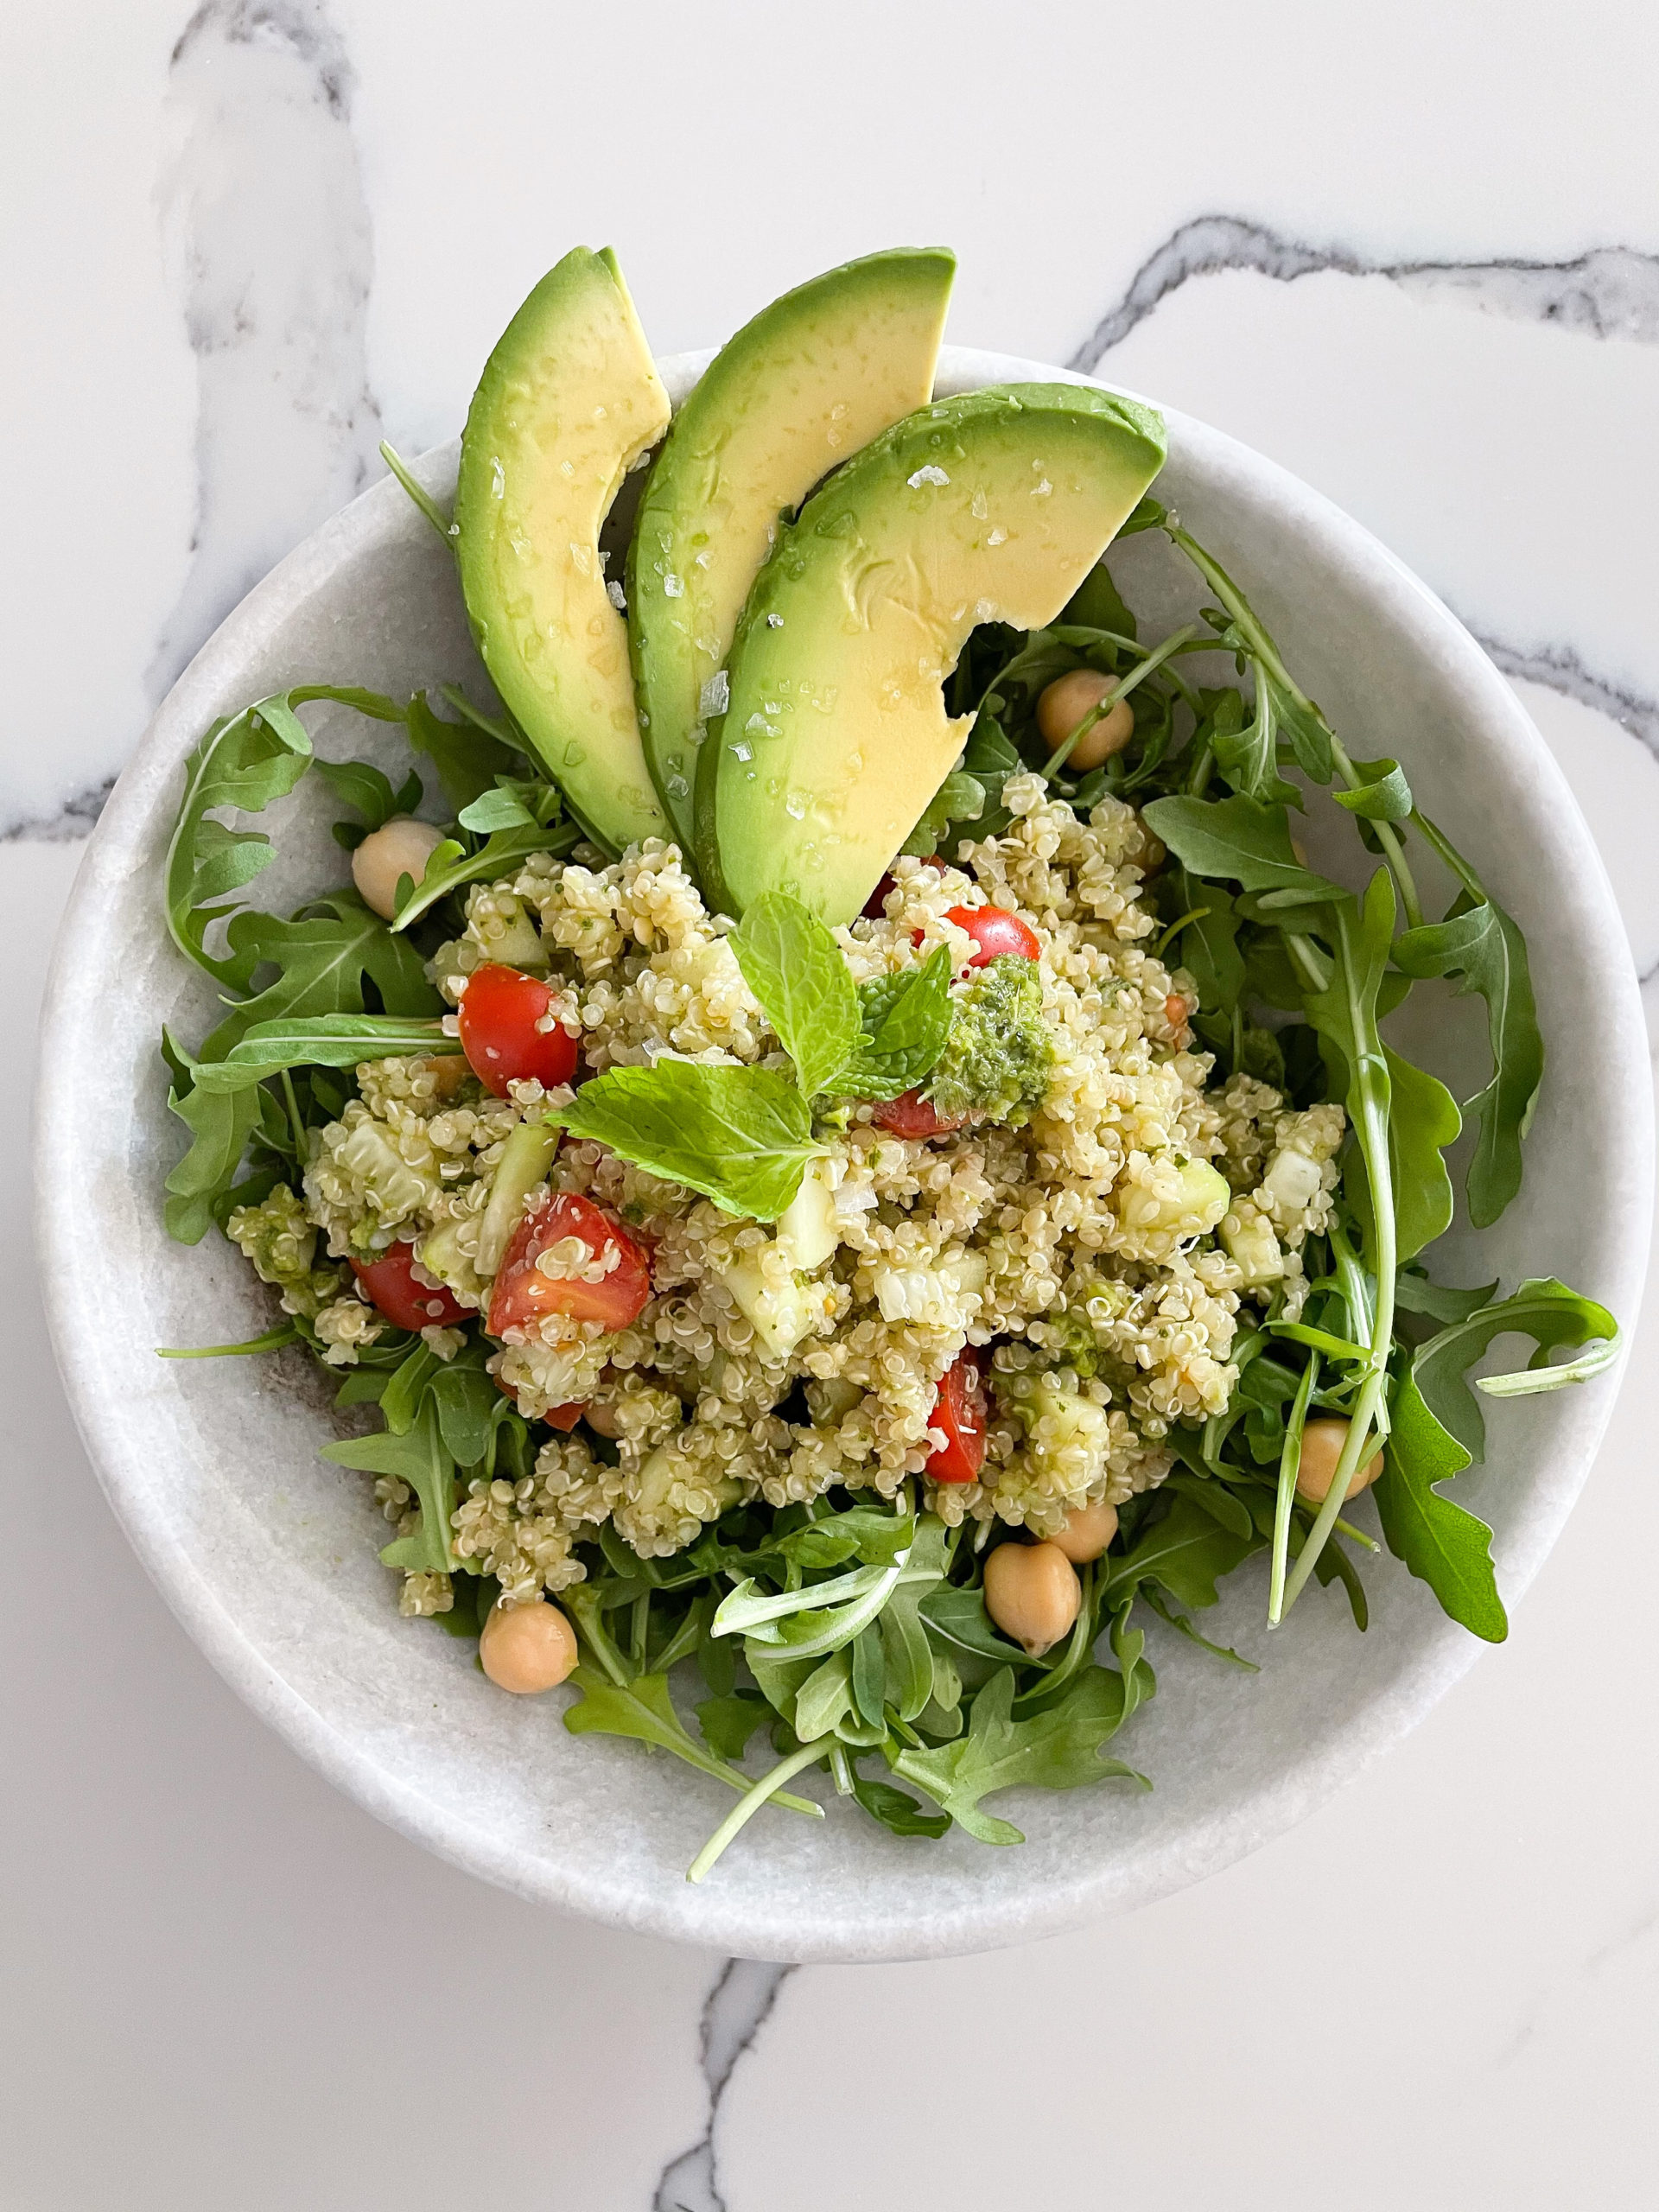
(840,1156)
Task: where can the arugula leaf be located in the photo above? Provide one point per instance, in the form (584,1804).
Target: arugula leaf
(1187,1552)
(1309,733)
(1423,1120)
(219,1130)
(1482,946)
(1208,944)
(960,798)
(1383,794)
(513,803)
(960,1617)
(325,957)
(1440,1542)
(246,763)
(1415,1294)
(742,1137)
(332,1041)
(896,1809)
(366,789)
(1059,1749)
(728,1723)
(1096,604)
(1247,754)
(643,1710)
(469,756)
(419,1457)
(450,865)
(1239,840)
(796,969)
(1544,1309)
(1345,1013)
(904,1020)
(869,1533)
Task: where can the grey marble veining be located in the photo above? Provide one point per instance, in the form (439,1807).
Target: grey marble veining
(1612,292)
(738,2006)
(271,252)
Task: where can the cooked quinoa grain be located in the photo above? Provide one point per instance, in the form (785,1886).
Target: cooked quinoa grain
(1095,1243)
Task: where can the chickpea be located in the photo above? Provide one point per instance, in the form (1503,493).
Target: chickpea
(1088,1531)
(602,1419)
(1065,702)
(527,1649)
(1322,1443)
(401,847)
(1033,1594)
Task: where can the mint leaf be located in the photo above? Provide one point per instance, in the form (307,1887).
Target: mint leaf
(1239,840)
(796,969)
(742,1137)
(904,1019)
(1056,1750)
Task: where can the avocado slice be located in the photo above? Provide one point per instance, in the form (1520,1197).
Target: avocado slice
(815,377)
(988,508)
(568,401)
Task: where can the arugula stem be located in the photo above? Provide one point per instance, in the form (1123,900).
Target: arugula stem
(418,493)
(749,1805)
(1302,950)
(296,1121)
(1386,836)
(1453,859)
(273,1340)
(1372,1129)
(1289,1462)
(1120,690)
(1174,930)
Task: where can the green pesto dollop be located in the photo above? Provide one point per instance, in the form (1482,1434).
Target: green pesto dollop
(999,1053)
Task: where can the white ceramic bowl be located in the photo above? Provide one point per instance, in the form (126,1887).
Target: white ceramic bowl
(267,1553)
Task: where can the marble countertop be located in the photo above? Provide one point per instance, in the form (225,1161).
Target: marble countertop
(1416,258)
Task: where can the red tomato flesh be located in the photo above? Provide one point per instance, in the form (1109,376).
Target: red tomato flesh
(393,1289)
(996,931)
(960,1411)
(564,1417)
(912,1115)
(499,1010)
(524,1294)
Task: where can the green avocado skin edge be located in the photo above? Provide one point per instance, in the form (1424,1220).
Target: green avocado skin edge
(810,382)
(568,401)
(991,506)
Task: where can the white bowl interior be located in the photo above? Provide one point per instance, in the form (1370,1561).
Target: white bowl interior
(267,1553)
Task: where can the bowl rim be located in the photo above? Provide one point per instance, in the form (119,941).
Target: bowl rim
(707,1917)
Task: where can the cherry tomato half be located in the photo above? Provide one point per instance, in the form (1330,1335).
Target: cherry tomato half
(565,1417)
(996,931)
(960,1411)
(499,1010)
(522,1293)
(395,1289)
(912,1115)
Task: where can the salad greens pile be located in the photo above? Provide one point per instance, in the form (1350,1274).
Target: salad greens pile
(846,1633)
